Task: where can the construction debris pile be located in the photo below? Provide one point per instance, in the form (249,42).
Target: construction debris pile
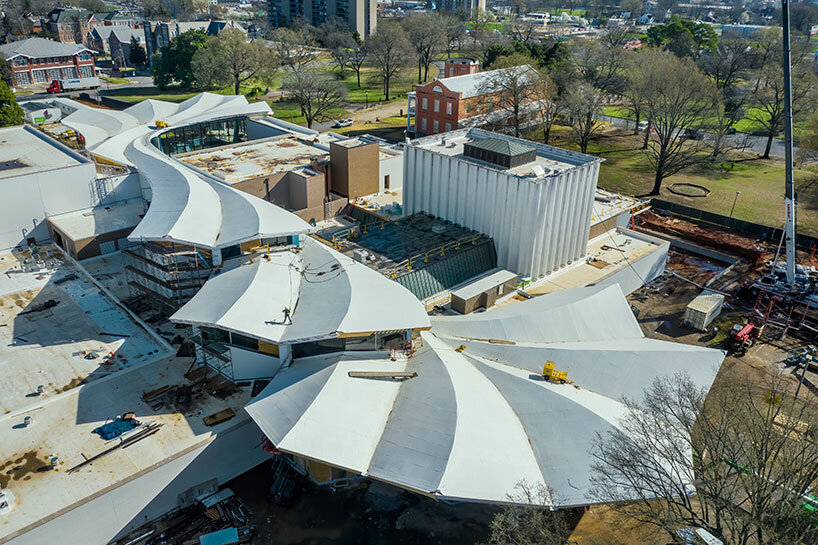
(710,238)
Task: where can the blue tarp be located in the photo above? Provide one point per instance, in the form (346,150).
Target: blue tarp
(222,537)
(115,428)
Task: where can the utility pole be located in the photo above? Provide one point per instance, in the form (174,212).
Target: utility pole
(789,197)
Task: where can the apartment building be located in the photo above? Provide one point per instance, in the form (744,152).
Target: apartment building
(39,60)
(460,6)
(360,14)
(451,103)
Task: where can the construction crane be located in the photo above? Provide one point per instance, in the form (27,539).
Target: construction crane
(789,187)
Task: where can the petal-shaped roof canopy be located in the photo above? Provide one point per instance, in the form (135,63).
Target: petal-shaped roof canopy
(475,422)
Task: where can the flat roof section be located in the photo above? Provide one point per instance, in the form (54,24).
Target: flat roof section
(454,146)
(609,253)
(51,316)
(23,152)
(256,158)
(84,224)
(62,426)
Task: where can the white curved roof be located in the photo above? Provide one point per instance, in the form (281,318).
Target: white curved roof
(475,423)
(187,206)
(328,294)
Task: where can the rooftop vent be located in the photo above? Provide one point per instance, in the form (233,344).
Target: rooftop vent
(499,152)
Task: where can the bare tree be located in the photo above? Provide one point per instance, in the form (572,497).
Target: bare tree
(389,52)
(550,105)
(767,97)
(599,64)
(315,92)
(584,104)
(675,97)
(738,462)
(727,64)
(294,49)
(428,37)
(230,58)
(509,90)
(526,521)
(356,58)
(521,31)
(453,29)
(339,43)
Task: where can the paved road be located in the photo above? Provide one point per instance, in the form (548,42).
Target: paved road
(748,142)
(137,81)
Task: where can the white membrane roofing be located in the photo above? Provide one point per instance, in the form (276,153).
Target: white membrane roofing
(187,206)
(475,423)
(327,293)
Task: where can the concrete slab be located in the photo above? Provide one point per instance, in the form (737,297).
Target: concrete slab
(48,347)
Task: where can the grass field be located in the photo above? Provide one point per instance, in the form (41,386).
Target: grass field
(761,182)
(747,125)
(177,94)
(290,111)
(118,81)
(371,90)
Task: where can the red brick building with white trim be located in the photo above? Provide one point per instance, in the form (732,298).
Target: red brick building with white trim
(38,60)
(450,103)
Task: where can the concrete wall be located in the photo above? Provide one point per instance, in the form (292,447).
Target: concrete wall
(392,167)
(27,200)
(537,226)
(153,494)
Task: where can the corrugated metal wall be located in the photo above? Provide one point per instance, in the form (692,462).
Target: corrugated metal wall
(538,226)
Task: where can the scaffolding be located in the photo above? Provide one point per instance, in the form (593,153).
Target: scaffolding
(169,274)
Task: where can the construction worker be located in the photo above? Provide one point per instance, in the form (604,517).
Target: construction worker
(287,318)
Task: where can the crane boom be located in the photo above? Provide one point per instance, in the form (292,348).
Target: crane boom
(789,196)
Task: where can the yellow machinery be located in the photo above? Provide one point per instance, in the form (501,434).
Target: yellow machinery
(552,375)
(161,124)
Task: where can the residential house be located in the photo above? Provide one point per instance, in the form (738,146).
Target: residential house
(39,60)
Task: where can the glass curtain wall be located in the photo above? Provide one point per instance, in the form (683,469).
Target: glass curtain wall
(208,134)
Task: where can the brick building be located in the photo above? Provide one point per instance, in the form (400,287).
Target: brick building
(38,60)
(450,103)
(460,66)
(74,25)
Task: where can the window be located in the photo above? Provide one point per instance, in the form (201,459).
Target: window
(423,106)
(451,71)
(437,126)
(20,61)
(466,108)
(422,122)
(448,127)
(437,105)
(437,89)
(448,108)
(386,182)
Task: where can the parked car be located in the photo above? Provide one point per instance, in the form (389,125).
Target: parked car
(731,130)
(643,125)
(342,123)
(693,134)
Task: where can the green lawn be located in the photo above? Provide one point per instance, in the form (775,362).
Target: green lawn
(118,81)
(626,170)
(371,90)
(290,111)
(177,94)
(745,125)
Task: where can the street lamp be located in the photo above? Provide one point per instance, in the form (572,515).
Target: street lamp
(734,203)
